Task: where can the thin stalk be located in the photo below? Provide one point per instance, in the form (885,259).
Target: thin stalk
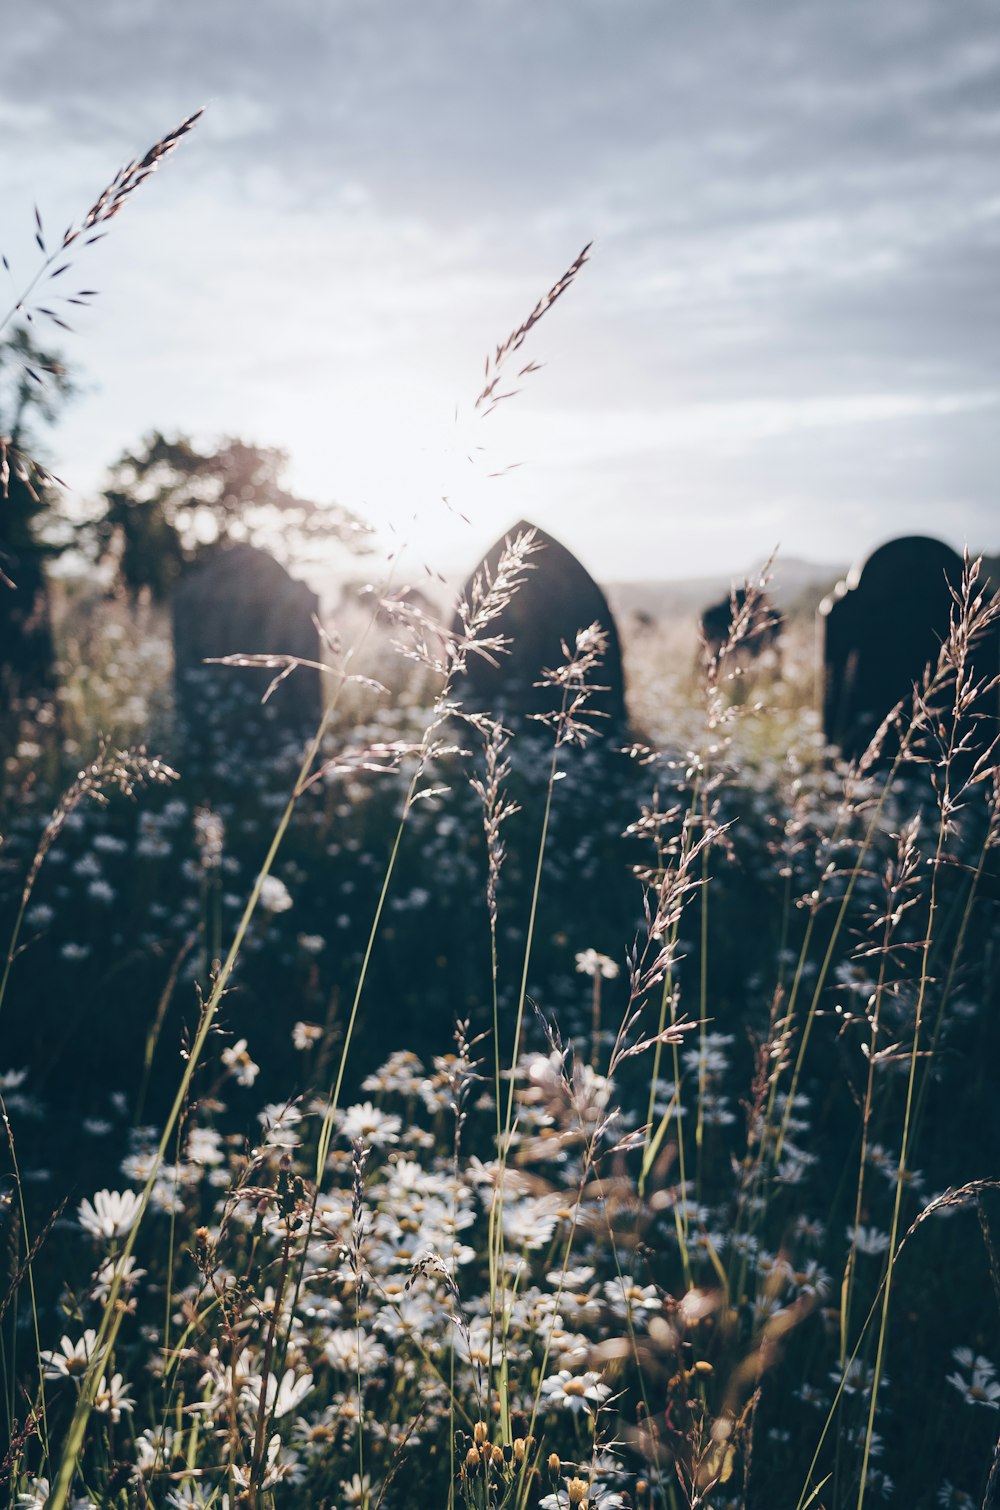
(260,1431)
(903,1154)
(533,912)
(111,1321)
(44,1420)
(702,1017)
(828,959)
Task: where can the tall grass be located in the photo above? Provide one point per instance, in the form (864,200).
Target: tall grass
(585,1257)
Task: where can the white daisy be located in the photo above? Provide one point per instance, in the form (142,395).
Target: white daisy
(112,1214)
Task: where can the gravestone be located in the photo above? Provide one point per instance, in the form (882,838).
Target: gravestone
(882,626)
(240,601)
(586,896)
(764,632)
(557,598)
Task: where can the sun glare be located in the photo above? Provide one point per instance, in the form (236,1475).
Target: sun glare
(435,490)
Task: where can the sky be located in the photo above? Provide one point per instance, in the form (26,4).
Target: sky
(787,335)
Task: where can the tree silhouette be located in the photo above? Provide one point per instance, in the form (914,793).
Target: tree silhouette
(34,385)
(170,503)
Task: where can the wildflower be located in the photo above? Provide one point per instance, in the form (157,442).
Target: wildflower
(204,1146)
(595,1497)
(625,1296)
(954,1499)
(125,1271)
(189,1496)
(880,1483)
(402,1072)
(112,1398)
(274,1469)
(35,1497)
(575,1392)
(209,833)
(154,1448)
(589,962)
(112,1214)
(280,1123)
(709,1058)
(602,1498)
(572,1279)
(358,1490)
(239,1064)
(858,1378)
(274,895)
(980,1387)
(341,1351)
(280,1396)
(530,1223)
(305,1034)
(70,1359)
(365,1121)
(868,1240)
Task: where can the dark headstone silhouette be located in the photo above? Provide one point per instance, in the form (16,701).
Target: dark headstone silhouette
(557,598)
(764,632)
(883,625)
(240,601)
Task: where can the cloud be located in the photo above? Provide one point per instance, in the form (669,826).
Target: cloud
(796,208)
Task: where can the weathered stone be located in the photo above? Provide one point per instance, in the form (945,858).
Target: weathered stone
(764,632)
(557,598)
(883,625)
(240,601)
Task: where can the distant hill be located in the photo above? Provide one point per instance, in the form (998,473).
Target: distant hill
(796,587)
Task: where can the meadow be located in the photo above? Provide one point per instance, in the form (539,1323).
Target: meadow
(429,1115)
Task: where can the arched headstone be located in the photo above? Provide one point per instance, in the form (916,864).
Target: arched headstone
(557,598)
(882,626)
(240,601)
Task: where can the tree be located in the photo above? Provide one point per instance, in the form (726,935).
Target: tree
(34,385)
(169,502)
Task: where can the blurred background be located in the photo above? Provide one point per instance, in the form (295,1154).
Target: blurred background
(786,337)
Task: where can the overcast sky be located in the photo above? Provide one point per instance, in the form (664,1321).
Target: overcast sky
(789,331)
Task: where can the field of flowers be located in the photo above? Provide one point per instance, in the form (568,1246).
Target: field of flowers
(438,1110)
(536,1124)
